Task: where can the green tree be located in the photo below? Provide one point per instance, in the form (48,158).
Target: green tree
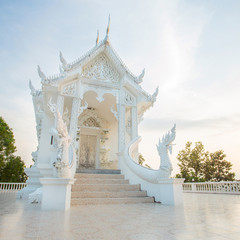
(221,167)
(191,162)
(11,167)
(199,165)
(6,142)
(208,169)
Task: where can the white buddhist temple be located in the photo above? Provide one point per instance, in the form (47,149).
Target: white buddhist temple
(87,119)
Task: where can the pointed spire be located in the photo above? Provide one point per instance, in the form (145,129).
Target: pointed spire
(108,28)
(107,31)
(97,39)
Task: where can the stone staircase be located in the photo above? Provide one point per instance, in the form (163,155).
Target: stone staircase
(106,187)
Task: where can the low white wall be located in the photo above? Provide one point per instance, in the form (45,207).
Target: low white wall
(212,187)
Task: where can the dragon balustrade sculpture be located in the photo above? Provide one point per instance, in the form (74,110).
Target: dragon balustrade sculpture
(65,160)
(164,147)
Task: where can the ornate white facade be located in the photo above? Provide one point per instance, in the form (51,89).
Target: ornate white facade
(88,114)
(96,96)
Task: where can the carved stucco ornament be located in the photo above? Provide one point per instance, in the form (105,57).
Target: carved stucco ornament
(52,106)
(115,113)
(129,99)
(70,89)
(90,118)
(101,69)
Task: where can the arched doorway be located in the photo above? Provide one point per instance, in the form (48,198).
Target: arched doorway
(97,133)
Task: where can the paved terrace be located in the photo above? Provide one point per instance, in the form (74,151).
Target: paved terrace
(203,216)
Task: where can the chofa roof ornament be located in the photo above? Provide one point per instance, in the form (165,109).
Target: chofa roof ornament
(154,95)
(34,92)
(65,65)
(40,73)
(139,79)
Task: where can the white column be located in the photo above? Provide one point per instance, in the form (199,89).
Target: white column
(121,127)
(134,125)
(74,118)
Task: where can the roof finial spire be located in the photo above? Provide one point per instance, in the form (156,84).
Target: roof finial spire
(108,29)
(97,39)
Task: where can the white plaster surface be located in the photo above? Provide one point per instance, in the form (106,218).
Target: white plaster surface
(203,216)
(56,193)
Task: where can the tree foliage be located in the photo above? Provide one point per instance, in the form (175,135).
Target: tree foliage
(198,165)
(221,167)
(11,166)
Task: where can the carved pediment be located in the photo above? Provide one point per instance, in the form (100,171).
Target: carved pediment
(102,69)
(69,89)
(90,118)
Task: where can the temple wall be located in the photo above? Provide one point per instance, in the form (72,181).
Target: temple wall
(44,154)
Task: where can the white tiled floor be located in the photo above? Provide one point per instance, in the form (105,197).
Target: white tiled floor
(203,216)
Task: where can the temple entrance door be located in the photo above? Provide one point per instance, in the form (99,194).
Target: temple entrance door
(89,152)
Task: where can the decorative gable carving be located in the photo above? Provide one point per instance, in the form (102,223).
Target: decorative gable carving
(70,89)
(90,118)
(101,68)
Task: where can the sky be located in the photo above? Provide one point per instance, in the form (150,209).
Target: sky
(190,49)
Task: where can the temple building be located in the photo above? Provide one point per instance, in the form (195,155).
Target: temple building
(87,118)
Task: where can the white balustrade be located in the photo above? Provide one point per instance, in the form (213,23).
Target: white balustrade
(212,187)
(9,186)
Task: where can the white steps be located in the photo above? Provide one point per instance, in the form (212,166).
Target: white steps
(95,201)
(121,194)
(100,181)
(105,187)
(91,188)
